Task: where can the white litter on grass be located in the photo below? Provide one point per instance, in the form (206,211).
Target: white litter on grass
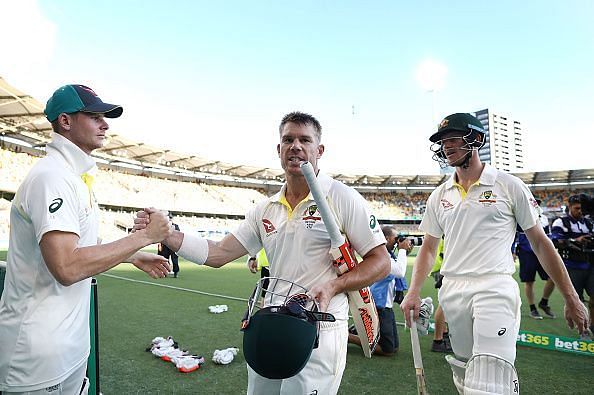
(217,309)
(224,357)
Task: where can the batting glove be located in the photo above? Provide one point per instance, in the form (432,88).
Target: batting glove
(425,312)
(224,357)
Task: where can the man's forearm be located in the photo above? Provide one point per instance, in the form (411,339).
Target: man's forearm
(374,267)
(174,241)
(72,265)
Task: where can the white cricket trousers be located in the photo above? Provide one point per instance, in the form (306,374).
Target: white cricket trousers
(483,314)
(321,375)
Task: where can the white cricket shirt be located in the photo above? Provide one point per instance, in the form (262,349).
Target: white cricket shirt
(479,225)
(296,241)
(44,326)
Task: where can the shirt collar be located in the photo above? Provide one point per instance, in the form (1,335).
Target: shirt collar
(488,176)
(575,220)
(78,161)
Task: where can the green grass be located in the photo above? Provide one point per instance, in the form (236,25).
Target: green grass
(131,314)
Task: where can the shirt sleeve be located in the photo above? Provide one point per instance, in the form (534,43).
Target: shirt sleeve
(247,233)
(358,222)
(525,207)
(52,204)
(559,231)
(398,267)
(429,223)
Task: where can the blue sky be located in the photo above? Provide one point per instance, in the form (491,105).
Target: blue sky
(215,78)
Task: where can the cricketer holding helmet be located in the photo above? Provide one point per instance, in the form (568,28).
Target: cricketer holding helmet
(477,209)
(290,229)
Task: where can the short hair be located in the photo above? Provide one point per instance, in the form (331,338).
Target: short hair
(574,199)
(55,126)
(301,118)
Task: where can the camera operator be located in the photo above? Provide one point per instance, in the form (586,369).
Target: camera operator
(387,291)
(414,240)
(573,237)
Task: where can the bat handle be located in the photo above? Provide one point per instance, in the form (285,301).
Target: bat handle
(336,238)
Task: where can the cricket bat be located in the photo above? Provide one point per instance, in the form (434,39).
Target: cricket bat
(418,361)
(361,303)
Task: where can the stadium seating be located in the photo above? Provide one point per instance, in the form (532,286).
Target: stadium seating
(206,206)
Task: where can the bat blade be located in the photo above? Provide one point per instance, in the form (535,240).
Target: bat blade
(417,359)
(361,303)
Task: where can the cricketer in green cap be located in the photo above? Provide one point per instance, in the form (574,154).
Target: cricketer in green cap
(74,98)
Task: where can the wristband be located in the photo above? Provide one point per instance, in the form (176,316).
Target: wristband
(194,248)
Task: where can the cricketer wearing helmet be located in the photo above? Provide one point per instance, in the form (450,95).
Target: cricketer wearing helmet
(478,209)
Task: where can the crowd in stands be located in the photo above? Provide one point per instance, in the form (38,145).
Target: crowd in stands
(398,205)
(119,189)
(212,203)
(13,169)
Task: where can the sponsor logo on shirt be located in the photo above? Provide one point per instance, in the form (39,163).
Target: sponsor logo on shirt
(533,202)
(268,227)
(53,388)
(487,198)
(309,216)
(372,222)
(55,206)
(446,204)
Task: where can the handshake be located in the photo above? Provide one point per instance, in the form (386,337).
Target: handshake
(156,224)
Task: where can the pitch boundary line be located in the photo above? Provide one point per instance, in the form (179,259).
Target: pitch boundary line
(174,287)
(191,290)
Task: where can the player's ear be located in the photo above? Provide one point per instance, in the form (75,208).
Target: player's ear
(321,149)
(64,121)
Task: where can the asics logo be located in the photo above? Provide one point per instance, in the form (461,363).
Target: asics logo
(55,206)
(501,332)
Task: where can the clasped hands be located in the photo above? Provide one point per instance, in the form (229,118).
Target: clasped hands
(154,222)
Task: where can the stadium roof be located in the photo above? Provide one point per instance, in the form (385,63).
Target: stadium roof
(22,121)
